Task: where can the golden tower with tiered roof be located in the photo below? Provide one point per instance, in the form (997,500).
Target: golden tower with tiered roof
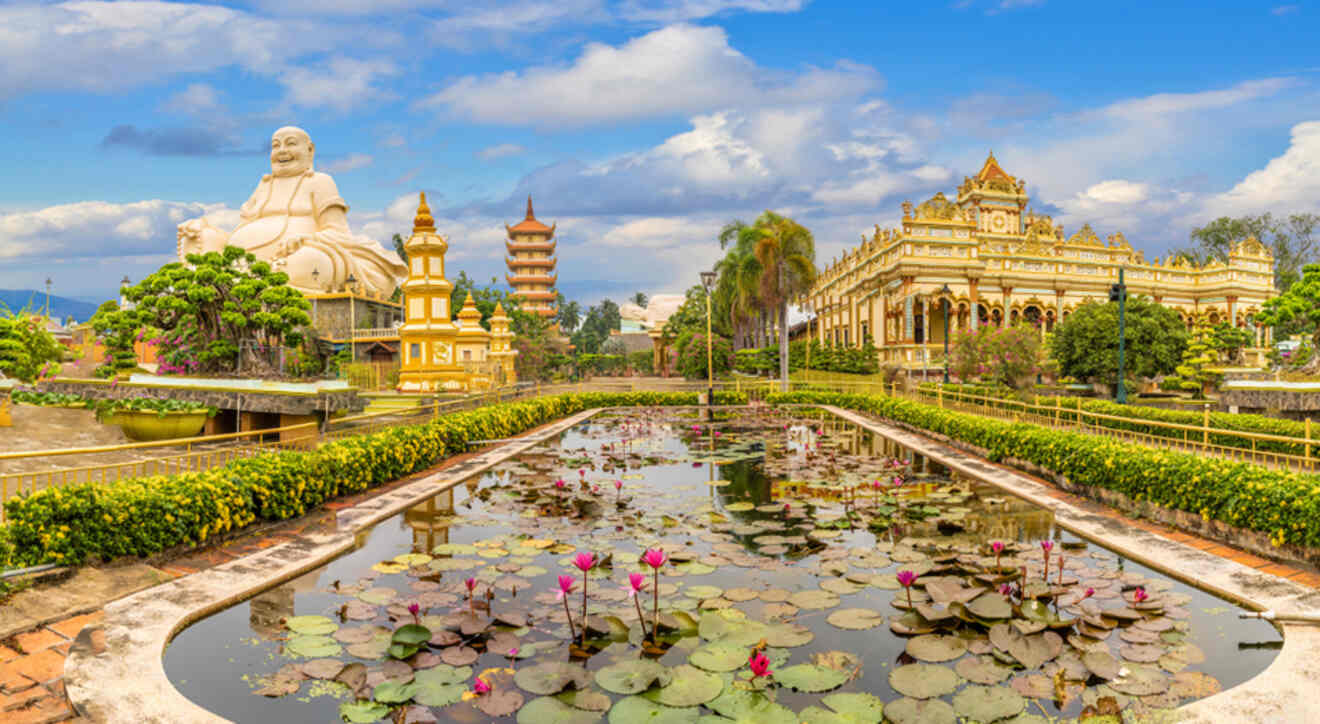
(531,261)
(502,352)
(428,336)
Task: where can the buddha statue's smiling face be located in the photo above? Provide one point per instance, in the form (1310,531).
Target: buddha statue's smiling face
(291,151)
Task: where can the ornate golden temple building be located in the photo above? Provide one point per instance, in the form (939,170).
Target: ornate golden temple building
(996,262)
(438,355)
(531,261)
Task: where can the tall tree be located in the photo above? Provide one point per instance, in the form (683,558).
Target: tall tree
(640,299)
(1292,241)
(738,283)
(787,253)
(569,315)
(1085,345)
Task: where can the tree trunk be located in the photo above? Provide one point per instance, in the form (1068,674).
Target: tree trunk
(783,332)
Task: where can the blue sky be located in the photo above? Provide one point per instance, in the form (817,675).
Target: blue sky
(641,126)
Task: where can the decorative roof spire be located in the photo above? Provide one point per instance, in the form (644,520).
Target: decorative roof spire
(530,216)
(423,220)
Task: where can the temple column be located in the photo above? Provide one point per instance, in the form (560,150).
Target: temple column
(1232,312)
(975,315)
(925,326)
(1008,305)
(853,325)
(883,337)
(1058,307)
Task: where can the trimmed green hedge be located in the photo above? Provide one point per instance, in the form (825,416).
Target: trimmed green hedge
(1283,505)
(1221,420)
(139,517)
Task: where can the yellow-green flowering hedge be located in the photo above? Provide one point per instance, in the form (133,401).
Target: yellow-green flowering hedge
(1283,505)
(147,515)
(1138,415)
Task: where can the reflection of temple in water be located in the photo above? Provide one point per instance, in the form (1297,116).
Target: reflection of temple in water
(430,520)
(267,609)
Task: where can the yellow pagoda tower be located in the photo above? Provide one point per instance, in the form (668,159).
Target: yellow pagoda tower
(501,348)
(531,261)
(428,336)
(472,346)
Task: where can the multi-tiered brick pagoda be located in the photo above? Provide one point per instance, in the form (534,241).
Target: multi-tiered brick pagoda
(531,260)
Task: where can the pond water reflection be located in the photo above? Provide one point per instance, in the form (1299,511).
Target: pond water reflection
(784,533)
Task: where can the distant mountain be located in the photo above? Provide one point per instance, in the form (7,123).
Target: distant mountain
(60,307)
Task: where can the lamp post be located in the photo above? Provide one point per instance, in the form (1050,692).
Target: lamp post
(48,283)
(352,316)
(944,297)
(708,281)
(1118,293)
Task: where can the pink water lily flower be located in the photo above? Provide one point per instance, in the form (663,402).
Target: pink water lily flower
(759,664)
(595,490)
(480,687)
(618,484)
(566,584)
(905,579)
(654,557)
(1047,545)
(1005,589)
(717,433)
(559,483)
(635,583)
(1089,592)
(997,547)
(471,583)
(1140,594)
(585,561)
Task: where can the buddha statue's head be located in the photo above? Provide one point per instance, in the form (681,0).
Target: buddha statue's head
(291,151)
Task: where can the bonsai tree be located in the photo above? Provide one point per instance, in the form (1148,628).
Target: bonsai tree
(1229,341)
(26,348)
(118,330)
(1298,308)
(1194,372)
(221,313)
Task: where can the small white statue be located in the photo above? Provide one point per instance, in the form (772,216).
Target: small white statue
(296,220)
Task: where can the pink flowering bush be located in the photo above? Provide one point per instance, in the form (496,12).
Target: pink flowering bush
(1007,356)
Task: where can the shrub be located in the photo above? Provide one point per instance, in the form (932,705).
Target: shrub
(1282,504)
(143,516)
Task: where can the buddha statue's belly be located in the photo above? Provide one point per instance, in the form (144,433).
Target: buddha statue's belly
(266,230)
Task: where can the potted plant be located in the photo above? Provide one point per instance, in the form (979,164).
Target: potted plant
(145,419)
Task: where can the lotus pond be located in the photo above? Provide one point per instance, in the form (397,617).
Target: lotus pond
(807,571)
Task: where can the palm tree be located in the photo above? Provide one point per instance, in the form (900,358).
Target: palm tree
(570,313)
(640,299)
(737,286)
(787,253)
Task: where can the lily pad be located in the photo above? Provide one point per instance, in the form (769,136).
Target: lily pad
(853,708)
(551,678)
(363,712)
(632,677)
(636,709)
(411,634)
(1101,664)
(991,605)
(499,703)
(720,656)
(917,711)
(311,625)
(392,692)
(988,703)
(750,707)
(923,681)
(811,678)
(814,600)
(934,648)
(688,687)
(855,619)
(1139,680)
(312,647)
(983,670)
(550,710)
(441,685)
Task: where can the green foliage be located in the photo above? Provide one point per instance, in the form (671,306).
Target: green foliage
(143,516)
(26,348)
(1284,505)
(105,409)
(49,399)
(601,320)
(690,357)
(827,357)
(1085,345)
(1229,340)
(486,298)
(1134,418)
(568,314)
(602,364)
(1291,241)
(222,310)
(1298,308)
(1194,372)
(117,332)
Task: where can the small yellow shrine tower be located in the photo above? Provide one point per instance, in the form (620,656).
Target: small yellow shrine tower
(427,337)
(473,344)
(501,348)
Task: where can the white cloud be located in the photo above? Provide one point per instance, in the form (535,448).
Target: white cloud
(1284,9)
(351,162)
(340,84)
(674,11)
(104,47)
(1162,106)
(648,76)
(96,229)
(501,150)
(1286,184)
(198,99)
(1116,191)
